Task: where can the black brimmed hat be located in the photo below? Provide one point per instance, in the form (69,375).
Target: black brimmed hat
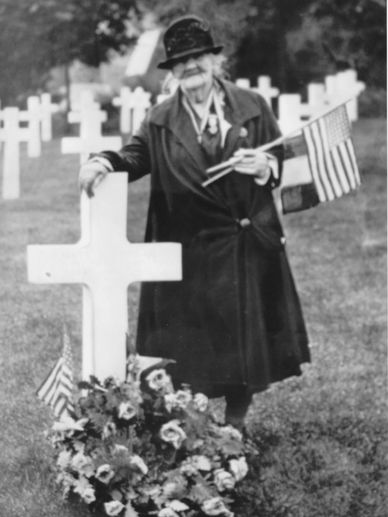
(187,36)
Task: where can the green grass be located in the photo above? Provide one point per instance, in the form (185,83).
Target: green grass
(321,438)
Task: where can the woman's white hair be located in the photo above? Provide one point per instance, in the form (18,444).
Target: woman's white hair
(219,61)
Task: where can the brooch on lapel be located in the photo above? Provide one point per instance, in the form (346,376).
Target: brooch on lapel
(213,124)
(243,132)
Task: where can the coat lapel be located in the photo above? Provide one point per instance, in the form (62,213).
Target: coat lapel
(239,108)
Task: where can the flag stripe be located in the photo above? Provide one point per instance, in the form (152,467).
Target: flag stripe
(341,169)
(313,164)
(321,164)
(327,187)
(48,386)
(56,390)
(354,161)
(331,172)
(347,165)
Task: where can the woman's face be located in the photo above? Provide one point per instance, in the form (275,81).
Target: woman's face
(195,72)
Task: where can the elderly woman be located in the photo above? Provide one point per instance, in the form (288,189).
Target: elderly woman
(234,324)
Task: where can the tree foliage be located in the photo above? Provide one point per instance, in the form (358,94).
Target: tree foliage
(293,41)
(38,35)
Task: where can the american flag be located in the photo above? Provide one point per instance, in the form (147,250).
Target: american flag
(56,391)
(331,154)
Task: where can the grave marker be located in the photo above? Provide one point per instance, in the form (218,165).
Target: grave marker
(90,139)
(125,105)
(141,102)
(290,112)
(32,132)
(11,135)
(47,109)
(265,89)
(105,263)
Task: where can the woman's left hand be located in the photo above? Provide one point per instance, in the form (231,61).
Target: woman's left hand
(253,162)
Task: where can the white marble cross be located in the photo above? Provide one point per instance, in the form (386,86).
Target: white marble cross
(32,132)
(125,105)
(11,135)
(290,112)
(265,89)
(141,102)
(47,108)
(242,82)
(105,263)
(342,86)
(90,139)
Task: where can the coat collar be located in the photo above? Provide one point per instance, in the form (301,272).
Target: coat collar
(240,105)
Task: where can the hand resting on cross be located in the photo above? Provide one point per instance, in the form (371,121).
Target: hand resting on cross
(90,176)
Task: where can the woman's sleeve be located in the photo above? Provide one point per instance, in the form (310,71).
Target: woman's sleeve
(133,158)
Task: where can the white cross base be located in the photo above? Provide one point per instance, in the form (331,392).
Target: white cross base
(105,263)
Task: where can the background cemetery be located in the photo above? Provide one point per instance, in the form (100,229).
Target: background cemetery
(322,438)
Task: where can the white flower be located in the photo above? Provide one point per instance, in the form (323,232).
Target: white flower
(224,480)
(139,463)
(158,380)
(183,398)
(126,411)
(215,506)
(231,432)
(188,469)
(167,512)
(83,464)
(64,459)
(178,506)
(88,495)
(239,468)
(81,485)
(201,402)
(118,449)
(170,401)
(201,462)
(105,474)
(113,507)
(172,433)
(174,489)
(66,423)
(109,430)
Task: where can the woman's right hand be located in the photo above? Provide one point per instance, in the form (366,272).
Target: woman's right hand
(90,176)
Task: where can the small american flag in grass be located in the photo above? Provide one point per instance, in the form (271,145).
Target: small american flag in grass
(57,389)
(331,154)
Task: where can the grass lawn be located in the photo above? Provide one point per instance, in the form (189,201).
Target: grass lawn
(321,437)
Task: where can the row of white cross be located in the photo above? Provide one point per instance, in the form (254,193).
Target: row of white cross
(133,108)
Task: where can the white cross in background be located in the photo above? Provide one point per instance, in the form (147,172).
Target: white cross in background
(32,132)
(105,263)
(47,109)
(11,134)
(290,112)
(125,105)
(90,139)
(265,89)
(141,102)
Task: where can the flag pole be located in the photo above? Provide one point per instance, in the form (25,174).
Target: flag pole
(232,161)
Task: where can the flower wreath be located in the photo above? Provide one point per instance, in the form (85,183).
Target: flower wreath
(140,448)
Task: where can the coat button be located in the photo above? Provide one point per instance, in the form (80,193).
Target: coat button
(244,222)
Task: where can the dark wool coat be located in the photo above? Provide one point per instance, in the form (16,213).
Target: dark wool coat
(235,319)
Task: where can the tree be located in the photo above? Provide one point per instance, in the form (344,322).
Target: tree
(293,41)
(37,35)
